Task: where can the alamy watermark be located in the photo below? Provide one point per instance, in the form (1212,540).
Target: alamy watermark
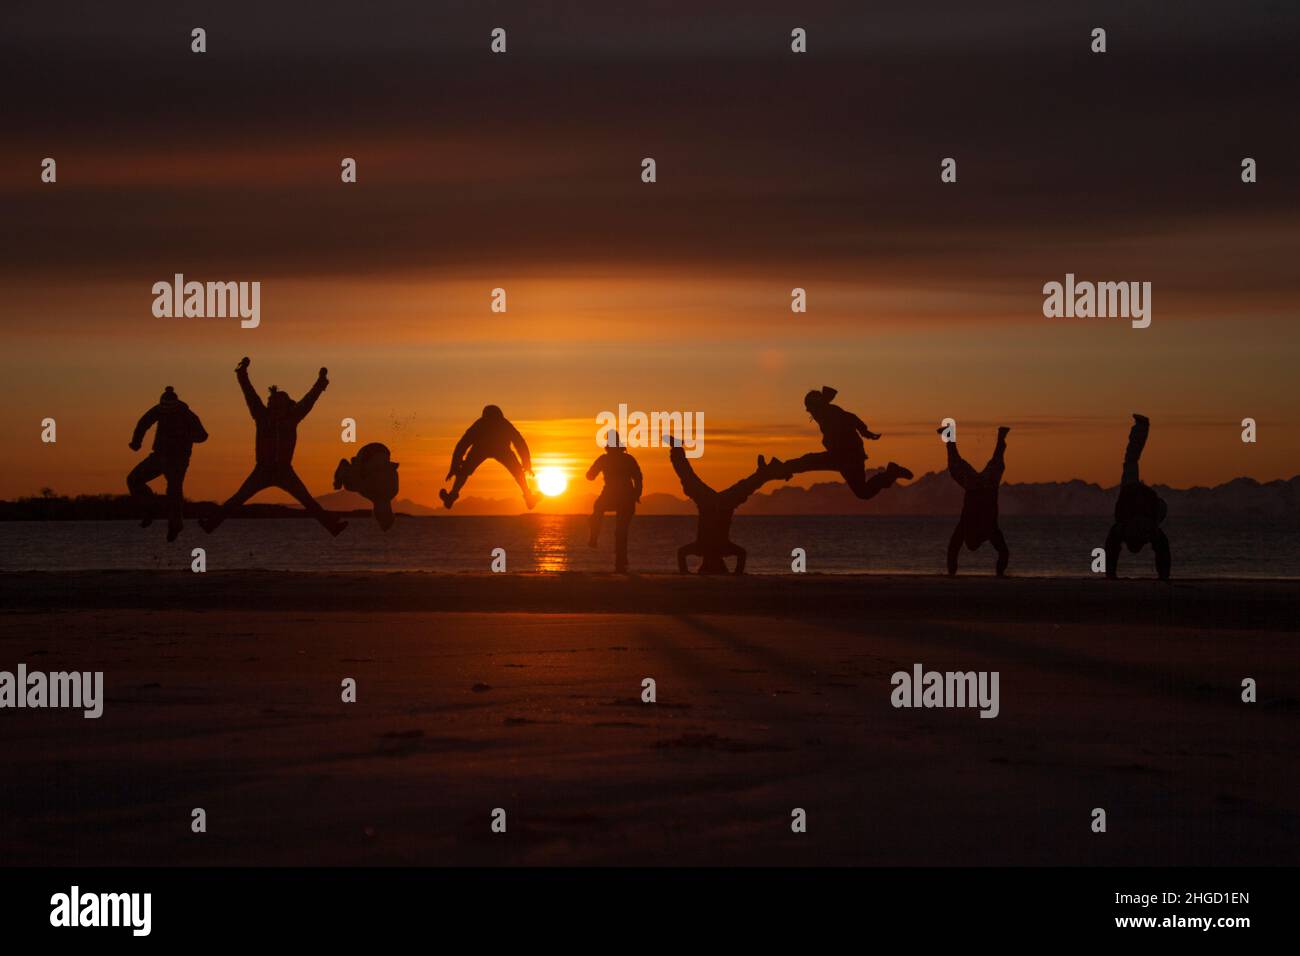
(922,688)
(1100,300)
(77,690)
(208,300)
(652,430)
(75,908)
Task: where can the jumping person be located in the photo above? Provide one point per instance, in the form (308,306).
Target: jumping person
(713,542)
(277,434)
(372,474)
(492,436)
(842,434)
(620,495)
(979,507)
(1138,510)
(178,431)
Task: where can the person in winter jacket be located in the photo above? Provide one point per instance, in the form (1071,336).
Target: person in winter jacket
(277,434)
(176,431)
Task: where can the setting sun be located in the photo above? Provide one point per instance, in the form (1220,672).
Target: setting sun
(552,481)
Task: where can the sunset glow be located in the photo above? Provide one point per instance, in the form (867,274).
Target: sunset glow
(552,482)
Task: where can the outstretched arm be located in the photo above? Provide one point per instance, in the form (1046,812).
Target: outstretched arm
(142,426)
(861,428)
(198,434)
(255,406)
(521,446)
(308,401)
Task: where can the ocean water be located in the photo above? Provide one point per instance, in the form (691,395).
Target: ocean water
(1202,547)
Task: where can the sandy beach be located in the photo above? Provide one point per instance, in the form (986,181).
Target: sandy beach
(773,693)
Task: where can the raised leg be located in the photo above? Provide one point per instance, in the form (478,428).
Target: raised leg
(1137,439)
(814,461)
(958,467)
(865,487)
(692,485)
(288,480)
(516,470)
(466,468)
(997,464)
(258,480)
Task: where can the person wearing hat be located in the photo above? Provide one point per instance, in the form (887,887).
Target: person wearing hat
(1139,511)
(622,492)
(176,431)
(842,434)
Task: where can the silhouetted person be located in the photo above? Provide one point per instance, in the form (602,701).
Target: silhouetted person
(1139,510)
(713,542)
(372,474)
(979,507)
(842,434)
(277,434)
(492,436)
(176,431)
(620,495)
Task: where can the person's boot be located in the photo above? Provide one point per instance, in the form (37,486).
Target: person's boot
(336,526)
(174,530)
(448,498)
(898,471)
(339,472)
(146,521)
(774,468)
(530,499)
(210,523)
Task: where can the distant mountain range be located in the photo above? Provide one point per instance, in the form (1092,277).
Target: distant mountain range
(933,493)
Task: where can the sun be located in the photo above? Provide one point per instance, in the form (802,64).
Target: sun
(552,481)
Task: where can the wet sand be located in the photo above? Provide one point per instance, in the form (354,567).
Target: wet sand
(523,692)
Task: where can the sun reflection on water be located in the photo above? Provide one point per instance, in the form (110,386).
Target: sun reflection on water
(551,542)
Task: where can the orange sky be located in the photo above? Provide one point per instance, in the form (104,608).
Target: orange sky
(774,171)
(566,351)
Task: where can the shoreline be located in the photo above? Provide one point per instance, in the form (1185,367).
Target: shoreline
(1215,603)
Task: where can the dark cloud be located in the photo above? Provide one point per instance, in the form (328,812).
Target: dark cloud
(530,162)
